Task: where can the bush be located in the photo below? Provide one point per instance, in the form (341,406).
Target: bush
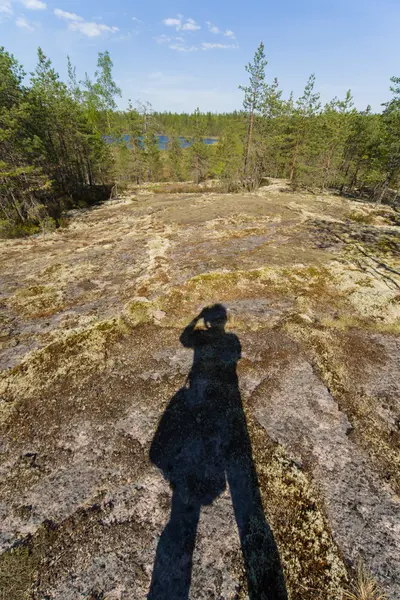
(9,230)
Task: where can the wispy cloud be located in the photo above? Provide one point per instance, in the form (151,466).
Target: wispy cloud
(62,14)
(190,25)
(136,20)
(210,46)
(183,48)
(172,22)
(34,4)
(87,28)
(215,29)
(181,24)
(91,29)
(166,39)
(162,39)
(212,28)
(6,7)
(23,23)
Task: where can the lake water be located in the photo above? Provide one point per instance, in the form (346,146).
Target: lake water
(163,141)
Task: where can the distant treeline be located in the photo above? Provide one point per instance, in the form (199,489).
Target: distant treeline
(54,154)
(182,124)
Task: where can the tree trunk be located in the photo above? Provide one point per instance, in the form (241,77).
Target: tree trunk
(384,190)
(196,169)
(16,206)
(249,138)
(346,174)
(294,161)
(328,167)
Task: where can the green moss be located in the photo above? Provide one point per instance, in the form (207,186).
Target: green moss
(37,301)
(19,567)
(387,244)
(360,217)
(18,570)
(34,290)
(139,312)
(311,561)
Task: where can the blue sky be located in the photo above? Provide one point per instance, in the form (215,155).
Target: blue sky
(179,55)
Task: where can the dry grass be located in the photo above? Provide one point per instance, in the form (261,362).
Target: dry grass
(365,587)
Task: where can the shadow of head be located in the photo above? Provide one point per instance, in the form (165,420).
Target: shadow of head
(215,317)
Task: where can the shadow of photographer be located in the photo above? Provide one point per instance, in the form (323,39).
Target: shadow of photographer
(201,444)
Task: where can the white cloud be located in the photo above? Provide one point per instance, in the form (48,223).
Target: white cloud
(229,33)
(61,14)
(180,25)
(190,25)
(136,20)
(88,28)
(212,28)
(6,7)
(209,46)
(91,29)
(172,22)
(23,23)
(180,39)
(182,48)
(34,4)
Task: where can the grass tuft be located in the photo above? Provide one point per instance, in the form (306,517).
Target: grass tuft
(365,587)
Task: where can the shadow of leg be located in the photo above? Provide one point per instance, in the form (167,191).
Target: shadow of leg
(173,564)
(260,554)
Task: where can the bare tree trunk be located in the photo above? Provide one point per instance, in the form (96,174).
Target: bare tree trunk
(294,161)
(384,190)
(16,206)
(196,169)
(328,167)
(346,173)
(249,138)
(354,178)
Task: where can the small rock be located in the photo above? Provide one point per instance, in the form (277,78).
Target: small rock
(159,315)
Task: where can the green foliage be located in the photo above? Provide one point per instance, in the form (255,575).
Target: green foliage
(198,152)
(255,91)
(176,165)
(228,160)
(49,149)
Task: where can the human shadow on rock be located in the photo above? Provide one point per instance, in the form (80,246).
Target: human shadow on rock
(201,444)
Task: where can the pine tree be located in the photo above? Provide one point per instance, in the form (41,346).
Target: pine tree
(302,126)
(198,149)
(175,158)
(254,95)
(390,149)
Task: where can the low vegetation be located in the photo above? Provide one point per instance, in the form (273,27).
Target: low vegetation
(365,587)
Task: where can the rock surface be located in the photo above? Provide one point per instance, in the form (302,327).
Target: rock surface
(89,343)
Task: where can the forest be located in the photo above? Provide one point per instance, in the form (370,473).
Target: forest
(65,144)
